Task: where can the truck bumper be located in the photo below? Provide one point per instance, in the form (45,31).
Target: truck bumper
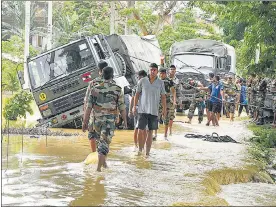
(63,119)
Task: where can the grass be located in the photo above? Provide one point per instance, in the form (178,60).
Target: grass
(228,176)
(215,178)
(262,143)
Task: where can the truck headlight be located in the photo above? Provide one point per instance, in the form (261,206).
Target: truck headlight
(47,112)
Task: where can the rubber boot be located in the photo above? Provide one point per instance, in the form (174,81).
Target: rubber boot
(260,121)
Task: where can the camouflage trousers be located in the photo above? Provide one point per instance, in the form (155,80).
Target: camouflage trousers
(253,103)
(170,113)
(260,104)
(104,127)
(230,106)
(274,103)
(200,107)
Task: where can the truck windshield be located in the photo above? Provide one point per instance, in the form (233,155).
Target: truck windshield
(59,63)
(193,60)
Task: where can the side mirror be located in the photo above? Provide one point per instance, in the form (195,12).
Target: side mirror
(20,77)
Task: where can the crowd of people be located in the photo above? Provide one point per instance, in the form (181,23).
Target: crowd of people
(154,100)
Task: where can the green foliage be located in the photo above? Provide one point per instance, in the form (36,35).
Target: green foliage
(71,20)
(18,106)
(185,27)
(262,143)
(10,83)
(15,47)
(245,25)
(15,10)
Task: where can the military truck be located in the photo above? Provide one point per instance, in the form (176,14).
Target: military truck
(196,58)
(59,77)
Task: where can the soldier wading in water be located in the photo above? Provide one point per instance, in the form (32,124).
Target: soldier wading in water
(170,101)
(105,99)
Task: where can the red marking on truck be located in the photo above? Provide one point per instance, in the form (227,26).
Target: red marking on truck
(86,77)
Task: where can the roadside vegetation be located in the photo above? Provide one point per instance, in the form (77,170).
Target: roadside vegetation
(263,144)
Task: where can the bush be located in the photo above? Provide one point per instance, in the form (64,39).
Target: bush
(18,106)
(262,142)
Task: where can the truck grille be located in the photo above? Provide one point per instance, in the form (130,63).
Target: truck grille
(70,101)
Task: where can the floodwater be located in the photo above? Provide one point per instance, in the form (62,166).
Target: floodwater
(51,171)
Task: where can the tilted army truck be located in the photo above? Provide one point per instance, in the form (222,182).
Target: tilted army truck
(195,59)
(59,77)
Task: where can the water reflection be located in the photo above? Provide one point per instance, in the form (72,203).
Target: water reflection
(93,193)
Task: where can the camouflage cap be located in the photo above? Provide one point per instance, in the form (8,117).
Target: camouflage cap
(162,70)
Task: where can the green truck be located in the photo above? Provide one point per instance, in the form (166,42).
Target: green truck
(58,78)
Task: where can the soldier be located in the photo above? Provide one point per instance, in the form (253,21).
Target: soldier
(243,102)
(262,89)
(197,102)
(273,90)
(230,98)
(92,83)
(105,98)
(170,101)
(253,98)
(249,90)
(176,82)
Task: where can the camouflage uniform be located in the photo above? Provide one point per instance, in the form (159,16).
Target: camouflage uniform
(249,91)
(273,90)
(177,88)
(92,83)
(105,98)
(253,98)
(262,88)
(230,90)
(197,102)
(169,84)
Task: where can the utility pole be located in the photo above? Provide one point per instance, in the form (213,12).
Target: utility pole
(50,25)
(27,41)
(112,17)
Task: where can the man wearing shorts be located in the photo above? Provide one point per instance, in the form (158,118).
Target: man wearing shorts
(149,91)
(141,74)
(216,100)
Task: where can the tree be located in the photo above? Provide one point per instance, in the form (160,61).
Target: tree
(18,106)
(15,10)
(247,25)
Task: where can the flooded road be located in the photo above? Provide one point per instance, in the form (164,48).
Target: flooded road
(56,175)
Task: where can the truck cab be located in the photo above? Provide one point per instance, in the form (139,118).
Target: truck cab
(59,79)
(195,59)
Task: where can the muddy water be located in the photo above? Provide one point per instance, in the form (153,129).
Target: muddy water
(55,175)
(51,172)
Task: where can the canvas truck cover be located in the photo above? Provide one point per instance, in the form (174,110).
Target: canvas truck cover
(138,52)
(199,46)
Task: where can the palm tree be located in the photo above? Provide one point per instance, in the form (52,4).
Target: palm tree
(66,28)
(15,10)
